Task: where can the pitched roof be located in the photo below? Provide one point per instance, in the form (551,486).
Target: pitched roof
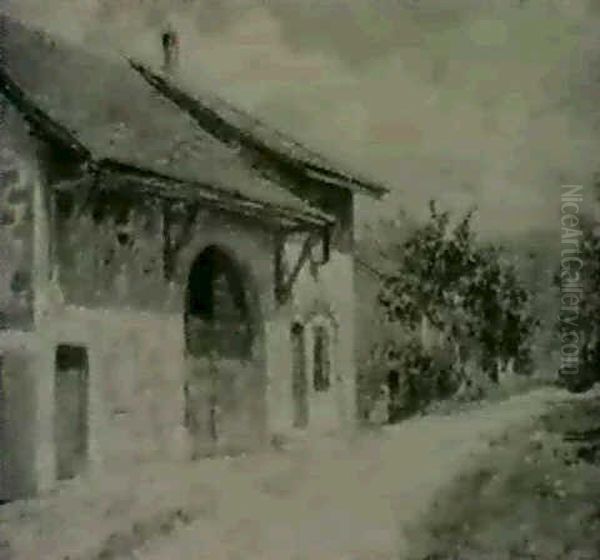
(108,111)
(231,123)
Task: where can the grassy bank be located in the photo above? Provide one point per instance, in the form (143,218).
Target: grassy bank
(535,495)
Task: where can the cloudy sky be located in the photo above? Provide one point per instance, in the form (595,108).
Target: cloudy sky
(493,103)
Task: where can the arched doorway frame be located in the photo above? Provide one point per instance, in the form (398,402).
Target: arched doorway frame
(256,358)
(251,290)
(319,316)
(322,319)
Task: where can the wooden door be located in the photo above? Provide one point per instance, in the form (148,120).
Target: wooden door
(200,407)
(71,412)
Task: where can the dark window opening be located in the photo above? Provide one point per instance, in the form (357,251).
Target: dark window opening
(217,313)
(299,381)
(322,362)
(71,410)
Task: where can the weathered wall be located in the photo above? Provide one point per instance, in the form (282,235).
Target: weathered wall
(108,251)
(18,476)
(22,398)
(113,299)
(330,296)
(320,293)
(326,295)
(17,172)
(135,396)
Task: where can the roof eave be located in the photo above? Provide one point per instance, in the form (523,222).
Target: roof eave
(39,120)
(352,184)
(168,187)
(53,131)
(226,131)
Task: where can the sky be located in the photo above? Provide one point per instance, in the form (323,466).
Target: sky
(490,104)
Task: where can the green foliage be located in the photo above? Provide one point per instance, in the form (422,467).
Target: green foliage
(584,317)
(427,375)
(421,375)
(468,293)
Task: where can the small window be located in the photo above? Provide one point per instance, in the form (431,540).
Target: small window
(322,362)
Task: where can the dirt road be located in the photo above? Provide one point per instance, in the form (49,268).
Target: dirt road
(346,504)
(330,502)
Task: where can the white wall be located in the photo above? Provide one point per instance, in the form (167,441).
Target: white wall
(326,297)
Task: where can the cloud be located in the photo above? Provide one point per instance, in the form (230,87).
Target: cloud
(491,104)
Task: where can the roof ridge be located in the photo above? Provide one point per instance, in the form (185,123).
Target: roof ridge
(259,121)
(311,159)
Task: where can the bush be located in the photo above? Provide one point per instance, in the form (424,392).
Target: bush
(423,376)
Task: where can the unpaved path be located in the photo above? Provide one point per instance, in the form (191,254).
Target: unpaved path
(345,503)
(331,501)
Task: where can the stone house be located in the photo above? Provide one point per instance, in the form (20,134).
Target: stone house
(176,279)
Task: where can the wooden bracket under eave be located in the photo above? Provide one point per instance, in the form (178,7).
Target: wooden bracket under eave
(172,244)
(284,283)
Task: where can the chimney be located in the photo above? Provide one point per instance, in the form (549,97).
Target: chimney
(170,45)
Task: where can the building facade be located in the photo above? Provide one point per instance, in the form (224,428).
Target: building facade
(176,279)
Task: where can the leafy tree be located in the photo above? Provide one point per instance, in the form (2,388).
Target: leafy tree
(466,292)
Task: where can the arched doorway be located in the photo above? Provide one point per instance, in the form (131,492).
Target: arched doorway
(218,319)
(325,397)
(224,384)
